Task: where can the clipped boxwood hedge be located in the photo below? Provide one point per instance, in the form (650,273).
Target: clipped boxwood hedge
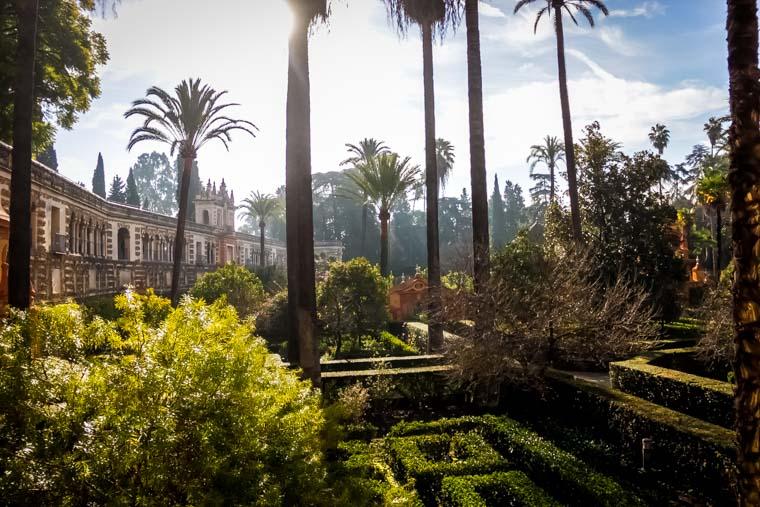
(510,489)
(567,477)
(687,450)
(427,459)
(701,397)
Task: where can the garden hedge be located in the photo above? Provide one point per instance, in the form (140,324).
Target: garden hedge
(700,397)
(427,459)
(687,450)
(567,477)
(510,489)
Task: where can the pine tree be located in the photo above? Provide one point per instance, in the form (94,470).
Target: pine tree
(132,195)
(498,217)
(49,158)
(117,193)
(99,178)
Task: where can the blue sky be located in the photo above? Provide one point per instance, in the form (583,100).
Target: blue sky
(650,61)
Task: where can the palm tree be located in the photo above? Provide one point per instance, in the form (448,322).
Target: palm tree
(185,121)
(715,133)
(549,153)
(303,348)
(362,153)
(385,180)
(431,16)
(712,190)
(744,149)
(260,207)
(659,136)
(444,160)
(480,237)
(555,7)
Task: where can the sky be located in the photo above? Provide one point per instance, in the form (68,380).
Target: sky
(650,61)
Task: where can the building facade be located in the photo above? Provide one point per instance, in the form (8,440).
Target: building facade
(84,245)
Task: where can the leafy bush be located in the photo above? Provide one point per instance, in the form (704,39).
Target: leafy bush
(241,288)
(186,410)
(352,302)
(701,397)
(272,318)
(500,488)
(273,278)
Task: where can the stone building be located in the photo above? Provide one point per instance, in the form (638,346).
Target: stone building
(84,245)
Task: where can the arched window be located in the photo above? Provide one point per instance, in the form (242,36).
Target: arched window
(123,242)
(206,219)
(72,229)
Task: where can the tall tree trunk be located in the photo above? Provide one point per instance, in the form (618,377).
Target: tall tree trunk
(20,234)
(718,242)
(262,228)
(744,179)
(567,126)
(384,217)
(364,229)
(551,183)
(478,178)
(302,339)
(188,156)
(435,328)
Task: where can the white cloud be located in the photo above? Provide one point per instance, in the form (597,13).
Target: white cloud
(646,9)
(489,11)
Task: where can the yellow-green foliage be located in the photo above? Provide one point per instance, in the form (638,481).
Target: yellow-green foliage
(241,288)
(189,409)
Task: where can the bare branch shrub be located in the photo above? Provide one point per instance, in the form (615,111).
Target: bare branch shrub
(716,347)
(542,310)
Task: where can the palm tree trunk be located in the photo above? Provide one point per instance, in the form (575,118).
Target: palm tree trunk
(714,250)
(567,126)
(384,217)
(480,239)
(302,340)
(364,229)
(20,234)
(744,175)
(718,242)
(262,228)
(551,183)
(435,328)
(179,237)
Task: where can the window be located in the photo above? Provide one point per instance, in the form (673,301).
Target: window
(123,242)
(206,218)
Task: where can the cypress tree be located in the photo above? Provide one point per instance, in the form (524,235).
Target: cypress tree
(132,195)
(99,178)
(498,216)
(116,193)
(49,158)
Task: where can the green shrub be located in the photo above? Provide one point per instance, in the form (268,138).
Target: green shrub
(509,489)
(273,278)
(272,318)
(701,397)
(427,459)
(196,413)
(241,288)
(351,303)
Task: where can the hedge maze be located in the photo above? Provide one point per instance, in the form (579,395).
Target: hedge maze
(490,460)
